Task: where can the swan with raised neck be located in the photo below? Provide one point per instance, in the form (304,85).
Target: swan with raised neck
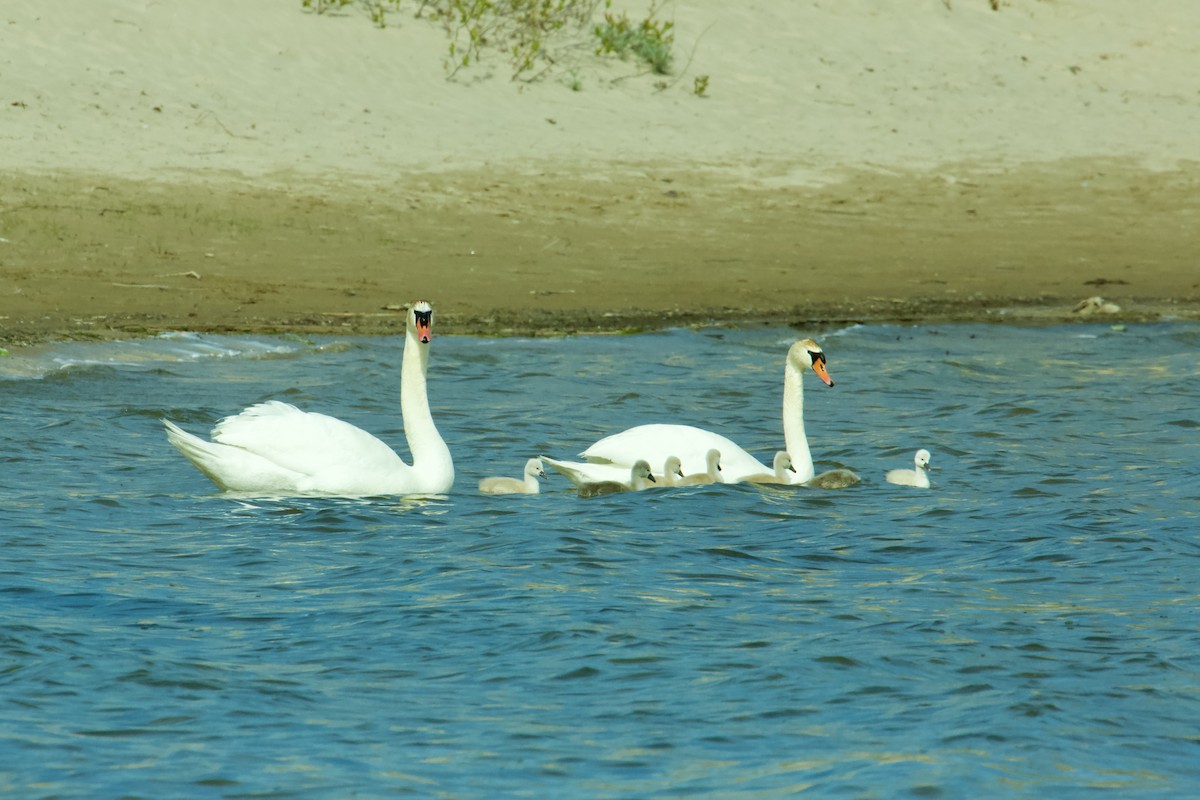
(655,442)
(803,355)
(275,449)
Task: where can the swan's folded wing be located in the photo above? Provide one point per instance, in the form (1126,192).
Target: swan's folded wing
(656,442)
(303,441)
(579,472)
(231,468)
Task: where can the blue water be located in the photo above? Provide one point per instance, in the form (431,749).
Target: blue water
(1027,628)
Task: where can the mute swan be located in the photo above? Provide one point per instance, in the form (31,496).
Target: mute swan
(783,465)
(712,460)
(656,441)
(581,472)
(526,485)
(639,479)
(276,449)
(918,476)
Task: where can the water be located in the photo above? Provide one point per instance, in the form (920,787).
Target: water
(1027,628)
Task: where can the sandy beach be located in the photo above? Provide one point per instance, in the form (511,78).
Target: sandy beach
(255,167)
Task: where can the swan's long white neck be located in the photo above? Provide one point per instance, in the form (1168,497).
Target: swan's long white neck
(793,424)
(430,455)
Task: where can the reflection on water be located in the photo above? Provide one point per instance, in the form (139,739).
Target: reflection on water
(1025,628)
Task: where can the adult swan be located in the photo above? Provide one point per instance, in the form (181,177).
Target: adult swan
(656,442)
(276,449)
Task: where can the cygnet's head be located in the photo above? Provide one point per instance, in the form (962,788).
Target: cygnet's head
(922,459)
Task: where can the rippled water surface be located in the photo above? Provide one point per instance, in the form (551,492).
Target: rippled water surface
(1026,628)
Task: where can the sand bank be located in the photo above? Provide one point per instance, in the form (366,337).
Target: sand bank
(224,166)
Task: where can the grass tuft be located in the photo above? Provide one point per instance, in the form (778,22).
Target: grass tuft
(532,34)
(650,40)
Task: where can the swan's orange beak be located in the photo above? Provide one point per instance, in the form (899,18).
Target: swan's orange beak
(822,373)
(423,332)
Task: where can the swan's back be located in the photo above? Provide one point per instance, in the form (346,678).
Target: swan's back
(306,442)
(657,442)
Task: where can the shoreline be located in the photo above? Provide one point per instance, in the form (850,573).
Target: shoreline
(1013,311)
(255,168)
(563,250)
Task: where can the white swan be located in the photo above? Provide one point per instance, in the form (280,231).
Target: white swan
(524,485)
(918,476)
(639,478)
(581,472)
(655,442)
(782,464)
(712,460)
(276,449)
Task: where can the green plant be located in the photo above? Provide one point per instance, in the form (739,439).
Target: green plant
(531,33)
(321,6)
(377,10)
(519,28)
(650,40)
(700,86)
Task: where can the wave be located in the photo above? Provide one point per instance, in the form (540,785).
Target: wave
(171,347)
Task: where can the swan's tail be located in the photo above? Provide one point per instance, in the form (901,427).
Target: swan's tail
(568,469)
(206,456)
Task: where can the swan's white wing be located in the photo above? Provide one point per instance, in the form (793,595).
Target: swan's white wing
(580,472)
(231,468)
(305,442)
(655,443)
(274,448)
